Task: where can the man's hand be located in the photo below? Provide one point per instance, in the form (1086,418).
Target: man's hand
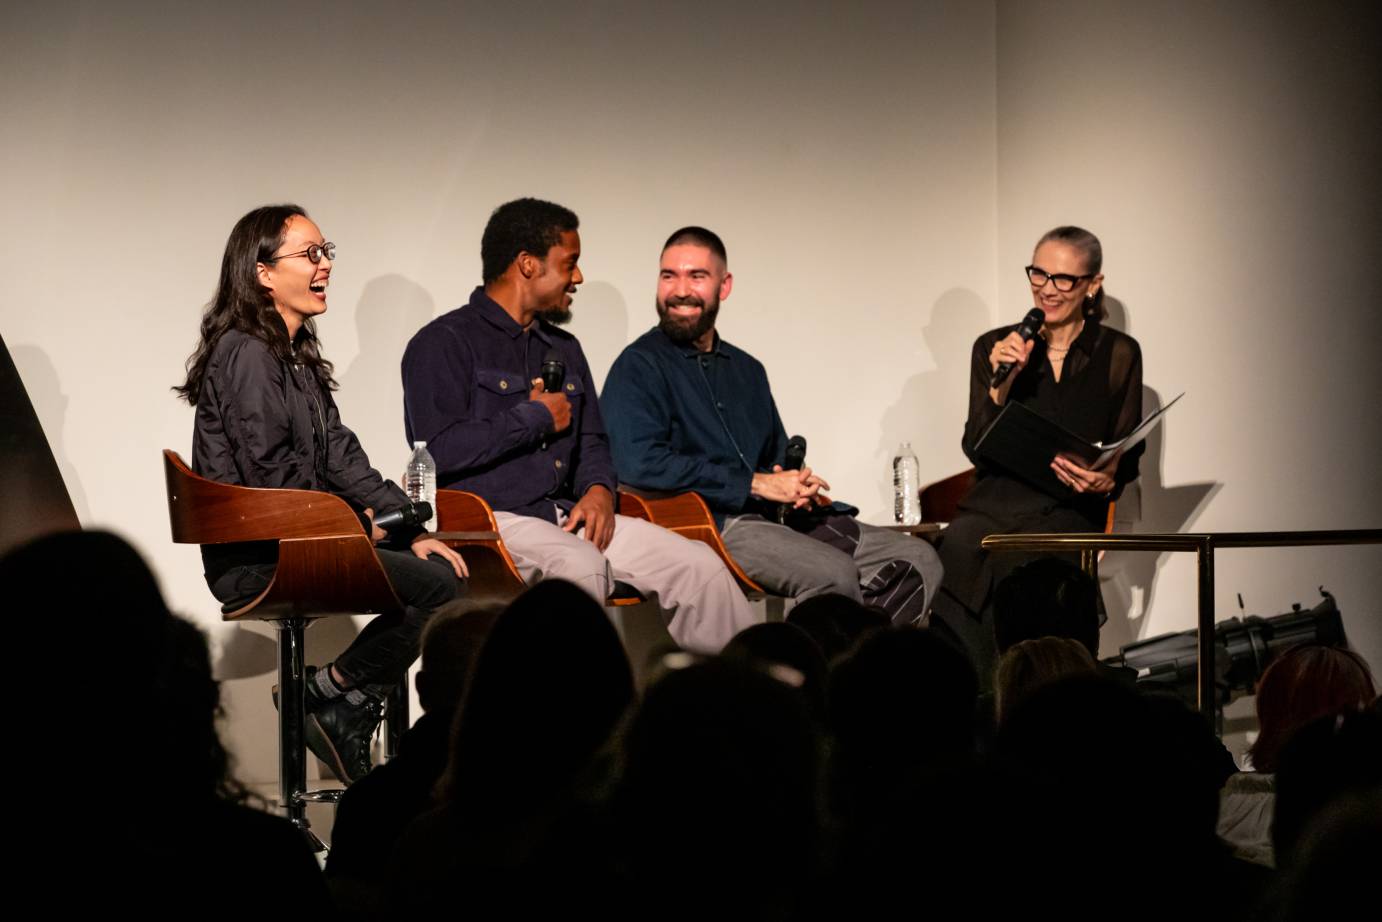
(424,544)
(800,488)
(1083,480)
(596,511)
(556,404)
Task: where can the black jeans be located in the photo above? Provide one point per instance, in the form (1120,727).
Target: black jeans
(380,655)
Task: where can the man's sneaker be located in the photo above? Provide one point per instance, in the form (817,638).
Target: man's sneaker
(343,734)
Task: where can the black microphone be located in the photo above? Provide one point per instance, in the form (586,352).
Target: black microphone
(409,515)
(1029,327)
(795,455)
(793,459)
(553,371)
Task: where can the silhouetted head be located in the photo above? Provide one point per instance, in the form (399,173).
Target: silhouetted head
(835,622)
(451,642)
(1030,664)
(904,699)
(548,686)
(1301,685)
(778,644)
(1048,597)
(1336,756)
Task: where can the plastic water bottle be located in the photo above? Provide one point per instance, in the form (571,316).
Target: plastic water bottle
(420,480)
(906,499)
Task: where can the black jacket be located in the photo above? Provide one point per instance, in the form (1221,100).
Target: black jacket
(264,422)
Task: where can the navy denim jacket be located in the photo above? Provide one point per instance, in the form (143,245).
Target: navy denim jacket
(465,393)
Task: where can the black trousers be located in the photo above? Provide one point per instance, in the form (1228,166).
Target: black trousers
(380,655)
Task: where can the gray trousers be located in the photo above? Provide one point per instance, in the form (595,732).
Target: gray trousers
(685,578)
(789,563)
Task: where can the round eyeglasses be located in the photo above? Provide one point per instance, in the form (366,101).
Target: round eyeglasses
(314,253)
(1063,282)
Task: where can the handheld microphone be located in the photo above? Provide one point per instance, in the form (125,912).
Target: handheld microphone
(793,459)
(795,455)
(553,371)
(409,515)
(1030,326)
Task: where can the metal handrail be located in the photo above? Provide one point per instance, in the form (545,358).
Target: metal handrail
(1203,544)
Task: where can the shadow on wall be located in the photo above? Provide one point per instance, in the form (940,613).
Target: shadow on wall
(933,402)
(392,308)
(1147,506)
(40,379)
(600,320)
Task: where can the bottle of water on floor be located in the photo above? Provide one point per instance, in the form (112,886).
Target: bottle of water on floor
(420,481)
(906,499)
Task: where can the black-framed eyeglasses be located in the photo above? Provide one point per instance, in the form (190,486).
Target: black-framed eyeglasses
(1063,282)
(314,253)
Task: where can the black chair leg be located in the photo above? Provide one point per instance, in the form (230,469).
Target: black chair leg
(292,736)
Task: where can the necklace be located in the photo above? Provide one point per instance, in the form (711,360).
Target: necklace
(1058,354)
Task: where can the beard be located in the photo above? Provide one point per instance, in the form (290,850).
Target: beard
(558,316)
(682,331)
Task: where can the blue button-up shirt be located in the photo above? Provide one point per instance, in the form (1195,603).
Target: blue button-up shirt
(681,419)
(465,393)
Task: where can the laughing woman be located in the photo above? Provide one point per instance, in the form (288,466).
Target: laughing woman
(266,418)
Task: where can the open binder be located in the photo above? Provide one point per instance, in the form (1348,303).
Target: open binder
(1023,442)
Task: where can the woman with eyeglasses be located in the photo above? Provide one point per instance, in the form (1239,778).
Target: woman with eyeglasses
(1076,372)
(265,418)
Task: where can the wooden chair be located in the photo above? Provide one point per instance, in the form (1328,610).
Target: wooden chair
(689,516)
(466,522)
(940,500)
(327,567)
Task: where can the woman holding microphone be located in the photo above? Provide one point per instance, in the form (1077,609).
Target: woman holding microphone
(1076,372)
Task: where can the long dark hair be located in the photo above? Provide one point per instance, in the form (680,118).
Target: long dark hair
(241,303)
(1093,251)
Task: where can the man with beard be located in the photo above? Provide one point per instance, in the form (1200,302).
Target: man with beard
(473,391)
(689,411)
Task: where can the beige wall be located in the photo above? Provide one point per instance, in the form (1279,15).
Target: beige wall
(879,175)
(847,157)
(1227,154)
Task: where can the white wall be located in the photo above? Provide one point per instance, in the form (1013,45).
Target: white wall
(847,158)
(1227,154)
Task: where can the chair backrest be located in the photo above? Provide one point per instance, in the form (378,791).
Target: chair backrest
(466,523)
(202,511)
(940,500)
(326,563)
(687,515)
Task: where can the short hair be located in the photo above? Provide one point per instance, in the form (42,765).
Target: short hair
(1300,685)
(1093,251)
(1030,664)
(525,225)
(1048,597)
(698,236)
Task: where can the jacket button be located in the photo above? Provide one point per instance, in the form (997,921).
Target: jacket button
(503,385)
(558,462)
(570,387)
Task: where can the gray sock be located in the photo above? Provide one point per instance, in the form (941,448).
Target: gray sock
(356,697)
(325,685)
